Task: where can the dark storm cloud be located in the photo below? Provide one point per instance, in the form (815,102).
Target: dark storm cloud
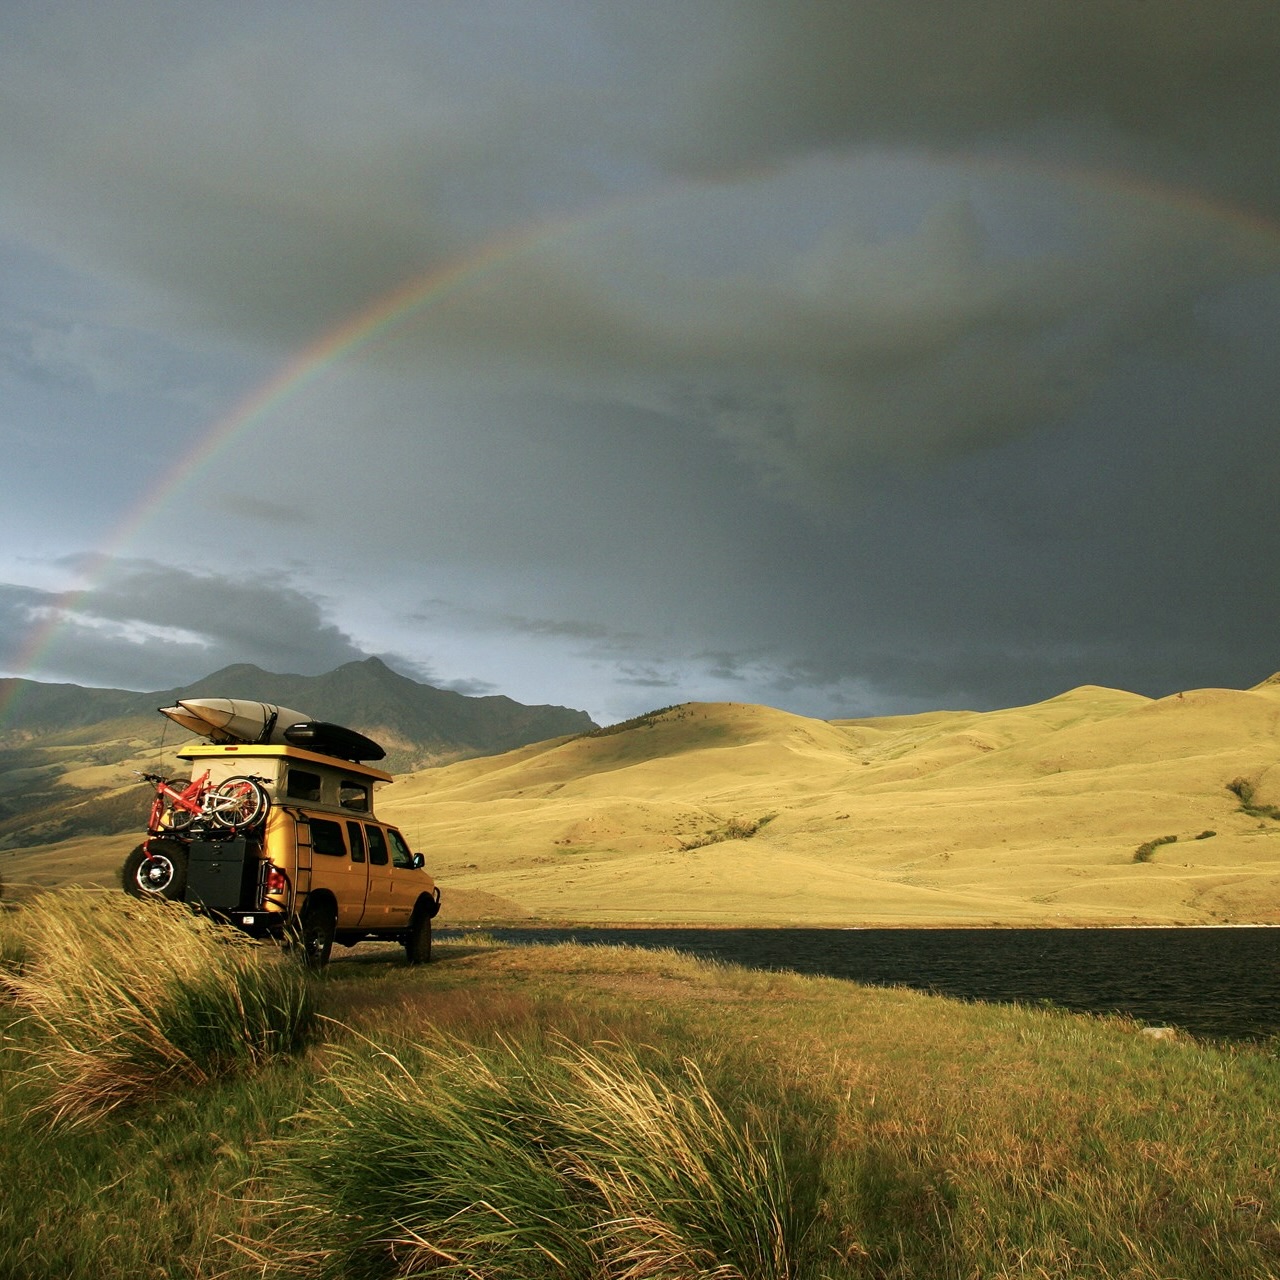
(283,174)
(19,610)
(556,628)
(269,510)
(731,425)
(1133,556)
(929,343)
(146,625)
(277,174)
(249,611)
(647,677)
(278,185)
(518,624)
(79,649)
(1185,87)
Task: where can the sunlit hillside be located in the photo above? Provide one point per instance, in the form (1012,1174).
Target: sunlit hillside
(727,813)
(724,812)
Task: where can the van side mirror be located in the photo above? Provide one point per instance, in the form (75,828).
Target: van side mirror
(418,862)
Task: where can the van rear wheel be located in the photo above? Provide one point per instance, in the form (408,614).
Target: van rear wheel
(319,924)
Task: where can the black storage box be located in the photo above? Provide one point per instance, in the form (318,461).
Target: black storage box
(220,875)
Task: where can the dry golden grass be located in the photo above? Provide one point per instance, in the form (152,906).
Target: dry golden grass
(1028,815)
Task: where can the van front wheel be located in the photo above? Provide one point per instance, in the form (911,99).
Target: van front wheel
(417,942)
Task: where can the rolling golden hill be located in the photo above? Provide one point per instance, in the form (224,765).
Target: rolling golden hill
(723,813)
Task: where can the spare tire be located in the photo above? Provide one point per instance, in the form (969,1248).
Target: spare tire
(156,868)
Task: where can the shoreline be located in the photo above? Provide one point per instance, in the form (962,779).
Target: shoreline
(899,926)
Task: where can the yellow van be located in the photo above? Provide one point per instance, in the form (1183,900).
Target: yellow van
(311,862)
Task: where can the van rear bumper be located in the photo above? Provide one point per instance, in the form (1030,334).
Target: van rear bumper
(258,924)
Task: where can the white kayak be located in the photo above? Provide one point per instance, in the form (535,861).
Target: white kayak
(235,719)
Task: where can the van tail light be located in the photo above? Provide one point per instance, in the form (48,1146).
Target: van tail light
(275,881)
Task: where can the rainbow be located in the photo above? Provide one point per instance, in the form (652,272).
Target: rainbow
(367,325)
(308,365)
(301,371)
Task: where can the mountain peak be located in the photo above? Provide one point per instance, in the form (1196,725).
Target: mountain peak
(419,724)
(372,663)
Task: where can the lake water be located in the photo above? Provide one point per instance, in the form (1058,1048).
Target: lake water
(1216,982)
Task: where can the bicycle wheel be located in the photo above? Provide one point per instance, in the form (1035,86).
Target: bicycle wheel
(176,818)
(165,815)
(238,802)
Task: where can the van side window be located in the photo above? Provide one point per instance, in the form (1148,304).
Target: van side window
(400,855)
(354,795)
(377,846)
(302,784)
(326,838)
(355,833)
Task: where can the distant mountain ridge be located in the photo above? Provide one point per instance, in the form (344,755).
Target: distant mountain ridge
(68,754)
(418,724)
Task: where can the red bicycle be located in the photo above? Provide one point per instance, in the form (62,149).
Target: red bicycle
(232,805)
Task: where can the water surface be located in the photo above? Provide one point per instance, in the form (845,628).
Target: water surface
(1214,982)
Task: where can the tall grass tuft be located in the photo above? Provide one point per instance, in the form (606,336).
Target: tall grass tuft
(686,1191)
(133,997)
(13,943)
(519,1164)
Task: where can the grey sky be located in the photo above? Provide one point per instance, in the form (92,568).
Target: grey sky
(848,358)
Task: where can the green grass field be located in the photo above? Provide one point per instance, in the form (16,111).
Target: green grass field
(588,1112)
